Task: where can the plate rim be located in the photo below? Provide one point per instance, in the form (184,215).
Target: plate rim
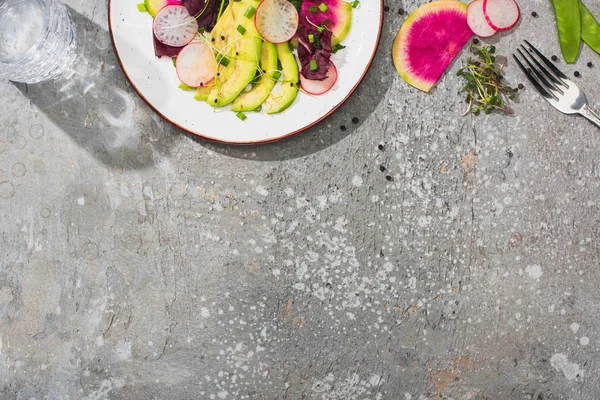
(248,142)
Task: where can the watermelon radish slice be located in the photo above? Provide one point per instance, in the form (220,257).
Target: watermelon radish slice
(337,17)
(428,41)
(174,26)
(196,65)
(154,6)
(276,20)
(320,87)
(477,21)
(502,15)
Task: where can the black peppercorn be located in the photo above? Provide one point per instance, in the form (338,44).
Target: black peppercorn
(222,37)
(534,14)
(521,86)
(388,177)
(381,168)
(401,11)
(475,41)
(342,128)
(554,58)
(380,147)
(355,120)
(590,65)
(577,74)
(386,9)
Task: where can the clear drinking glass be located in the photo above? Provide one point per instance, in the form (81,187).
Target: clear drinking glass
(37,40)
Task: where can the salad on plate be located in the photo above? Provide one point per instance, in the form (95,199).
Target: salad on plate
(251,54)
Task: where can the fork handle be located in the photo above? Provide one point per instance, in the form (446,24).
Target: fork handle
(587,112)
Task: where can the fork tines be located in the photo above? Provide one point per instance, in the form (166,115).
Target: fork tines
(545,81)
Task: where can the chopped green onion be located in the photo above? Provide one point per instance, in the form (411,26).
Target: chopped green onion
(142,7)
(241,116)
(258,109)
(311,38)
(313,65)
(323,7)
(183,86)
(355,3)
(223,60)
(337,48)
(250,12)
(241,29)
(276,75)
(174,59)
(320,28)
(317,43)
(312,9)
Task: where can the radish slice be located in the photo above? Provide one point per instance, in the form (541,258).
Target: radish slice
(320,87)
(477,21)
(174,26)
(502,15)
(276,20)
(196,65)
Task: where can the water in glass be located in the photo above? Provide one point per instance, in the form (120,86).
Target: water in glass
(37,40)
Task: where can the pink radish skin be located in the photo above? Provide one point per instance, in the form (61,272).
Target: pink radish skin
(174,26)
(502,15)
(196,65)
(477,21)
(317,88)
(276,20)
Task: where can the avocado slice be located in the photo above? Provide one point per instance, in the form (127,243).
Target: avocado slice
(202,93)
(285,96)
(245,49)
(251,100)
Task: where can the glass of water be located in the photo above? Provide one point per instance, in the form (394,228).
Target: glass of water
(37,40)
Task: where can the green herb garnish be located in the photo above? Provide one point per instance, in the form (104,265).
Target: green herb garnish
(337,48)
(355,3)
(276,75)
(241,29)
(486,89)
(142,7)
(311,38)
(223,60)
(313,65)
(323,7)
(250,12)
(312,9)
(241,116)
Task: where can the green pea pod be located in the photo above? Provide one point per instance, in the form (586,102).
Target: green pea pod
(568,21)
(590,28)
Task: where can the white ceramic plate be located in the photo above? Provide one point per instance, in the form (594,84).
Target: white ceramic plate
(156,82)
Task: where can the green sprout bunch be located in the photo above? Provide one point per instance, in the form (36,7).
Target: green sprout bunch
(486,88)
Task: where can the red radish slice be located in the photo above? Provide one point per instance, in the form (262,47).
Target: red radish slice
(477,21)
(320,87)
(276,20)
(502,15)
(196,65)
(174,26)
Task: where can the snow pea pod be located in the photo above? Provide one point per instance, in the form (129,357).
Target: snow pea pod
(590,28)
(568,21)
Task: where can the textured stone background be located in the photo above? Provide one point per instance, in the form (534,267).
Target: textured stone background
(137,262)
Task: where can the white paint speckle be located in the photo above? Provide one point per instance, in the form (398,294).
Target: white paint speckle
(534,271)
(574,327)
(100,341)
(412,282)
(357,181)
(204,312)
(584,340)
(81,201)
(223,394)
(262,191)
(561,363)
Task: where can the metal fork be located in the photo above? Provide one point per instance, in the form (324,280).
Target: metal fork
(561,92)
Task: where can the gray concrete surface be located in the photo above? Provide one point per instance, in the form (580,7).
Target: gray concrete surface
(137,262)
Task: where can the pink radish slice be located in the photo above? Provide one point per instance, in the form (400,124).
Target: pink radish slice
(276,20)
(320,87)
(196,65)
(174,26)
(477,21)
(502,15)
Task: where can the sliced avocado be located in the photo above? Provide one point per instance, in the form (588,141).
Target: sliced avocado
(202,93)
(251,100)
(222,42)
(247,46)
(285,96)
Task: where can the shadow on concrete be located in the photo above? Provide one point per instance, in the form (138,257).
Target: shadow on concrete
(93,103)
